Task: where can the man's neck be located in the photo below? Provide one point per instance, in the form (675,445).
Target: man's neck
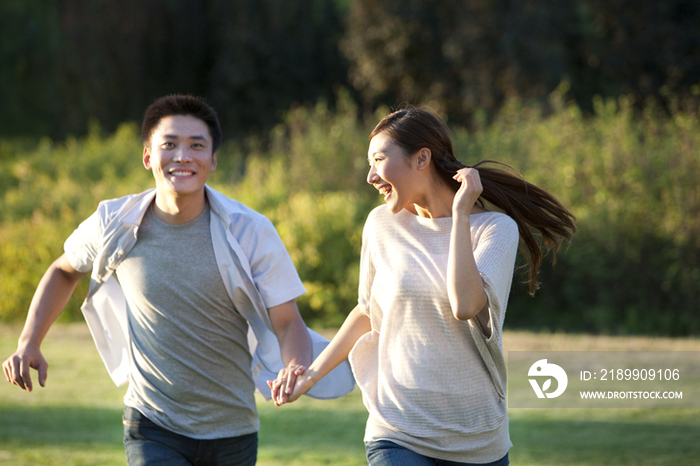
(179,210)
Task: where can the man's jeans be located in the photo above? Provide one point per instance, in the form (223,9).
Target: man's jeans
(386,453)
(148,444)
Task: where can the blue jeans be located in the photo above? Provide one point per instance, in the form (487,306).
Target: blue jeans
(386,453)
(149,444)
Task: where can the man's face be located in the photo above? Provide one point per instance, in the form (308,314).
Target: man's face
(180,155)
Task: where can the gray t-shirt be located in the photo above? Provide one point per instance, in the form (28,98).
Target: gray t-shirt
(190,362)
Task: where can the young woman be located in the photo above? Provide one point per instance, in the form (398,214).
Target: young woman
(424,341)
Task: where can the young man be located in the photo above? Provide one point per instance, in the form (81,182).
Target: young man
(178,275)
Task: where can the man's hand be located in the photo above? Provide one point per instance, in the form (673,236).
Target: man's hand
(283,386)
(51,296)
(285,392)
(17,367)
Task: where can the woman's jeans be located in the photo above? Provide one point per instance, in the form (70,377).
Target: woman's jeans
(386,453)
(148,444)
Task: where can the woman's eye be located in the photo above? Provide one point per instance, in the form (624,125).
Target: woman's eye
(375,160)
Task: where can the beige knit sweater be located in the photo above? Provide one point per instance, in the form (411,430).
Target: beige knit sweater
(432,383)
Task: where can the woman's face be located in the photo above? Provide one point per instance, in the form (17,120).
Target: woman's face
(391,172)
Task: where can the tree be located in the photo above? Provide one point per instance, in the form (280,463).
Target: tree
(644,48)
(459,56)
(68,61)
(456,55)
(269,54)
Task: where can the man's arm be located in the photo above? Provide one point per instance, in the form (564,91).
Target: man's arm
(295,342)
(51,296)
(356,324)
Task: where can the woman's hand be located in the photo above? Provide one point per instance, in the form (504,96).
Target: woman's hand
(285,392)
(286,389)
(284,384)
(468,193)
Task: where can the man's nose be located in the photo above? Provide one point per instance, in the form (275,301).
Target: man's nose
(182,155)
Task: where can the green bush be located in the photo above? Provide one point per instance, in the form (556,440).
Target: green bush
(311,183)
(49,190)
(631,181)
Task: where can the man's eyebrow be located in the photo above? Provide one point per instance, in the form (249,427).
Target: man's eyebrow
(177,136)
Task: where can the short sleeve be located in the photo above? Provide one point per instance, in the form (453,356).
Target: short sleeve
(273,270)
(82,245)
(495,248)
(367,270)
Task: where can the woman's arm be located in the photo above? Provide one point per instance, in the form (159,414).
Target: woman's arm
(356,324)
(465,288)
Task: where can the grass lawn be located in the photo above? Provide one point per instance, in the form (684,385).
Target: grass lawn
(76,419)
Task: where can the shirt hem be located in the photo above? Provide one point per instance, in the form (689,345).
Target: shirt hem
(214,435)
(495,443)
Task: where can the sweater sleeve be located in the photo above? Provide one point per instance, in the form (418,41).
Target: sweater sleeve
(495,247)
(367,269)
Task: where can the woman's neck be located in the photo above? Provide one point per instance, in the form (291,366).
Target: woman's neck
(436,203)
(439,204)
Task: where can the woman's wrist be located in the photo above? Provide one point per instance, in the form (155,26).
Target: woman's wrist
(312,376)
(460,218)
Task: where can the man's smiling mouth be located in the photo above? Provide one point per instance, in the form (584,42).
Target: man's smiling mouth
(181,173)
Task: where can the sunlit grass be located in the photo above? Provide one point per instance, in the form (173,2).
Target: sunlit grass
(75,420)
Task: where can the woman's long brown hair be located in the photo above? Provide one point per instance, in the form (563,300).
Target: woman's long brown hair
(537,213)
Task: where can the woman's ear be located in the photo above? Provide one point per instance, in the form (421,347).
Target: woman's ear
(423,158)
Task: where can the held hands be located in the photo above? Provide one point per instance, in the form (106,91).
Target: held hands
(17,367)
(290,385)
(468,193)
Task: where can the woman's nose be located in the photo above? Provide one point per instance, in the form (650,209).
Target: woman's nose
(372,175)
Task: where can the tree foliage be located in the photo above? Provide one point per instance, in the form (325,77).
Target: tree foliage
(462,56)
(65,62)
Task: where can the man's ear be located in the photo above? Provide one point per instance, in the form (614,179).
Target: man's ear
(214,160)
(146,158)
(423,158)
